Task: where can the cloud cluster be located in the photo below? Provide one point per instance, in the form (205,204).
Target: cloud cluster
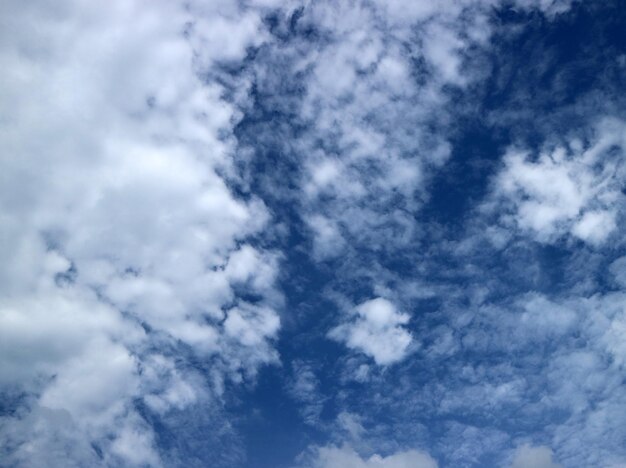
(573,190)
(522,337)
(369,112)
(376,108)
(364,92)
(123,250)
(140,241)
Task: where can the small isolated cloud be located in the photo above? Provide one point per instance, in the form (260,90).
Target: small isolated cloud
(527,456)
(377,331)
(347,457)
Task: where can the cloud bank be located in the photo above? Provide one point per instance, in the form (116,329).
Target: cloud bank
(124,249)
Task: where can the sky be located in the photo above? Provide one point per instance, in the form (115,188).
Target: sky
(313,233)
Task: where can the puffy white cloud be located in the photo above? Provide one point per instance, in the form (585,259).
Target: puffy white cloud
(376,331)
(359,451)
(527,456)
(595,226)
(371,106)
(346,457)
(569,191)
(119,236)
(133,444)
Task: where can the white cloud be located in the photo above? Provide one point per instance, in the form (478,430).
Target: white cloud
(595,226)
(550,7)
(442,47)
(351,423)
(135,445)
(375,138)
(367,151)
(527,456)
(346,457)
(118,233)
(164,387)
(351,454)
(376,331)
(573,191)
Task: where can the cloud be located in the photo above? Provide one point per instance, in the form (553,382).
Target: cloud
(328,241)
(366,152)
(579,380)
(137,284)
(533,457)
(346,457)
(121,235)
(572,190)
(354,108)
(618,270)
(377,331)
(373,100)
(304,387)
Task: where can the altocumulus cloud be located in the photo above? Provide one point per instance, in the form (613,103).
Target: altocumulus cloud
(364,234)
(573,189)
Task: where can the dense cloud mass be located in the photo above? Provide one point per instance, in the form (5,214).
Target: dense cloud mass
(313,234)
(123,246)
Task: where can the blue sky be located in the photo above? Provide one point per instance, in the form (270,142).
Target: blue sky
(313,234)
